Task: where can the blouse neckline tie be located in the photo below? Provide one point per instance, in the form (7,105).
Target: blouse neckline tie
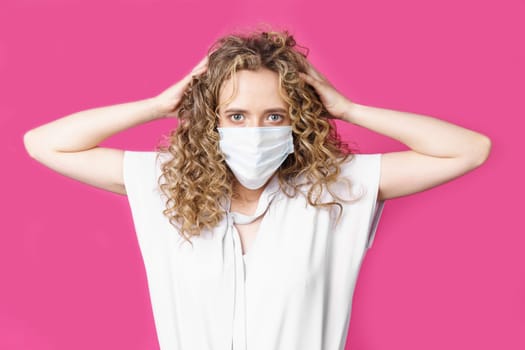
(233,263)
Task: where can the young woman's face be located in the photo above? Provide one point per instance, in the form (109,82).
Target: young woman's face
(257,102)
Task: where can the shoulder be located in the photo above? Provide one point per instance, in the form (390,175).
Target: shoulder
(142,161)
(358,172)
(139,157)
(141,168)
(361,165)
(359,176)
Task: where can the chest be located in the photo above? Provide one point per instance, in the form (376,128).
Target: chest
(248,234)
(289,249)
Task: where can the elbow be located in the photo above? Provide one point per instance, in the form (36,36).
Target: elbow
(28,143)
(481,151)
(31,144)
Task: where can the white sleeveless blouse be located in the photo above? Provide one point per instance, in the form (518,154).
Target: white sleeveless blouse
(294,288)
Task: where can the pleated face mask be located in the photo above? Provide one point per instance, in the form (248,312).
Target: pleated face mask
(255,153)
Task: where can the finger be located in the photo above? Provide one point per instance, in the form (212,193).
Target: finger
(199,70)
(314,72)
(203,61)
(318,74)
(309,79)
(202,64)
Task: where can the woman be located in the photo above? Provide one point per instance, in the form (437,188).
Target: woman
(254,219)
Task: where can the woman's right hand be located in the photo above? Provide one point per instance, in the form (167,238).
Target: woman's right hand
(168,101)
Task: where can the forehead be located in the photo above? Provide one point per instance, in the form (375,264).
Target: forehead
(252,90)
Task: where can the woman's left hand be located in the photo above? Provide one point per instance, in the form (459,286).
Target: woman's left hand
(335,103)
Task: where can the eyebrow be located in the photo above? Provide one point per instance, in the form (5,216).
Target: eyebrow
(269,110)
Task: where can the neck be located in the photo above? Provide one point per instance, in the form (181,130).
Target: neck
(246,195)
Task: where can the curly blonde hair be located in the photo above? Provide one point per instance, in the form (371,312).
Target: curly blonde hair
(196,178)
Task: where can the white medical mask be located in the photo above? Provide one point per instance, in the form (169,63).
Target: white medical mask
(255,153)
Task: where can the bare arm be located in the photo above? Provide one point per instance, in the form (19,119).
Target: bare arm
(439,151)
(69,145)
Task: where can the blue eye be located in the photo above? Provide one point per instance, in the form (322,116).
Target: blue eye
(236,117)
(275,117)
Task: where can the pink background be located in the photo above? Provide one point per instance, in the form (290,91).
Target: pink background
(446,270)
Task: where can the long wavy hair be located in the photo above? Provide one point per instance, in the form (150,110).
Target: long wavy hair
(196,179)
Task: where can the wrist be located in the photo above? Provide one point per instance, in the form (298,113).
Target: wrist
(156,111)
(349,111)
